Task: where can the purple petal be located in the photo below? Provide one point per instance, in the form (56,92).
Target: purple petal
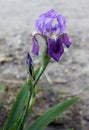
(66,40)
(35,48)
(55,49)
(51,13)
(45,24)
(61,23)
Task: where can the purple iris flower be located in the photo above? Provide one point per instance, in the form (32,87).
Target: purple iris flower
(29,63)
(52,27)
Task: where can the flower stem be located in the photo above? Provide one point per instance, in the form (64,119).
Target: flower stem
(32,92)
(45,61)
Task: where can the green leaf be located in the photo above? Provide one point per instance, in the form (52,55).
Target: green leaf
(1,89)
(37,70)
(17,107)
(50,115)
(14,127)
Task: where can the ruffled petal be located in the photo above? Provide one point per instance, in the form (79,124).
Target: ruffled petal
(61,23)
(45,24)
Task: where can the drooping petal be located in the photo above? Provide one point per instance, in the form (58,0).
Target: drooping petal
(66,40)
(55,49)
(35,47)
(29,63)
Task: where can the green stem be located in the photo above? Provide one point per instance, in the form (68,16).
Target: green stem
(45,61)
(38,76)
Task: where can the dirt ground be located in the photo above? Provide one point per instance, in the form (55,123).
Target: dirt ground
(70,76)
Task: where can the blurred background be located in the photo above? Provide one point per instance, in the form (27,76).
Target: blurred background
(69,76)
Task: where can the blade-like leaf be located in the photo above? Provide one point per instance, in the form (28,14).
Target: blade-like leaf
(17,107)
(1,88)
(37,70)
(14,127)
(49,116)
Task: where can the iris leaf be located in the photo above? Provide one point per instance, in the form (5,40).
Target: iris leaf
(17,107)
(1,89)
(50,115)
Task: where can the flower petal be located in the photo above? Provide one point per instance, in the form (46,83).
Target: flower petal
(35,48)
(43,25)
(66,40)
(55,49)
(50,23)
(61,23)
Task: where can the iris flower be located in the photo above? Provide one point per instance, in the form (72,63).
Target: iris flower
(52,27)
